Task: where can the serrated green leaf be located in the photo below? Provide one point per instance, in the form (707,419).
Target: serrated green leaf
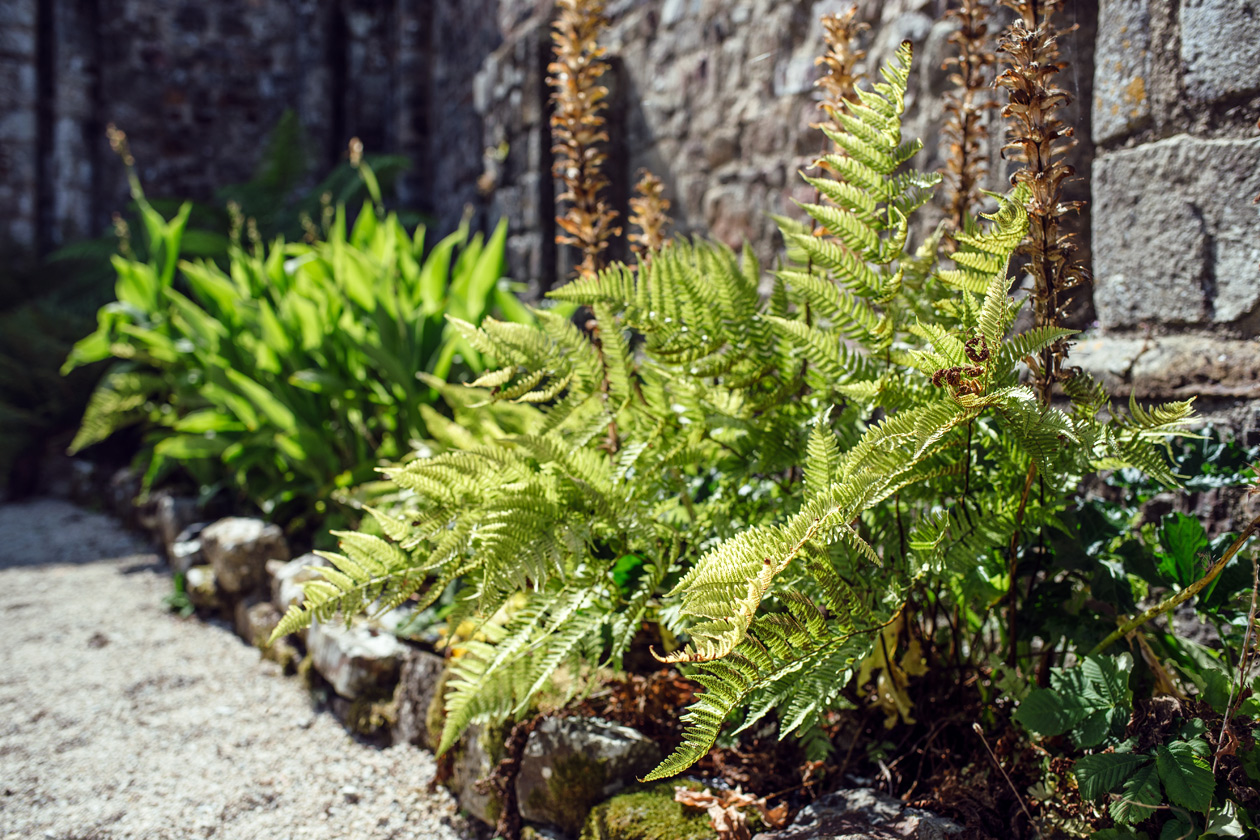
(1098,775)
(1186,776)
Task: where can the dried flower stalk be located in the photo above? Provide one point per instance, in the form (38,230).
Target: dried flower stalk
(1039,139)
(577,130)
(649,216)
(838,83)
(964,128)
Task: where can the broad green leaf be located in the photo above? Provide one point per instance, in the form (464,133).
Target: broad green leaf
(1046,712)
(1186,776)
(1098,775)
(184,447)
(1181,539)
(485,274)
(1138,798)
(436,270)
(137,284)
(275,411)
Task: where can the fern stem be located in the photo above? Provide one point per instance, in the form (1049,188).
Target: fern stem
(1179,598)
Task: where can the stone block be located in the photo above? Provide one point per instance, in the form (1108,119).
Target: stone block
(863,813)
(1122,68)
(238,548)
(287,579)
(185,551)
(202,589)
(357,661)
(475,756)
(570,764)
(418,682)
(1220,47)
(1176,237)
(1172,367)
(254,620)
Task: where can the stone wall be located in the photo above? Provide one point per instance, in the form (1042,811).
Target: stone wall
(715,96)
(1176,234)
(198,86)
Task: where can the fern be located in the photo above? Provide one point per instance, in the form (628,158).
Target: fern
(781,472)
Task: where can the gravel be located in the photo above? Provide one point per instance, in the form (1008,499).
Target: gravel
(121,720)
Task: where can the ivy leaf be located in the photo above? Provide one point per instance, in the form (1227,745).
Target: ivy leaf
(1098,775)
(1139,798)
(1186,776)
(1181,538)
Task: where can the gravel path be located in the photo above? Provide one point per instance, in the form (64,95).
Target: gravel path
(120,720)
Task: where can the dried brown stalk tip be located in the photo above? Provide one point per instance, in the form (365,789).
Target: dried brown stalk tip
(838,83)
(964,128)
(577,129)
(648,215)
(1040,140)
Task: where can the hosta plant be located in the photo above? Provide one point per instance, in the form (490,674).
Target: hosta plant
(292,371)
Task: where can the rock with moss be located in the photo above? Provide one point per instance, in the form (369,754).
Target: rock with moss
(202,588)
(478,752)
(648,812)
(569,764)
(418,684)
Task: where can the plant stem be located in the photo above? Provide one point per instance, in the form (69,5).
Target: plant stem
(1179,598)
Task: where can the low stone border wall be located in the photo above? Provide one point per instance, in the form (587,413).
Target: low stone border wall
(577,776)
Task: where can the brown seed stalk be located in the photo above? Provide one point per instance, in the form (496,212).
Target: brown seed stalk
(839,81)
(1040,140)
(577,130)
(964,128)
(649,216)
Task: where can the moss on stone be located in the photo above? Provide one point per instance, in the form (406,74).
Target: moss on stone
(306,672)
(647,812)
(576,783)
(435,715)
(367,716)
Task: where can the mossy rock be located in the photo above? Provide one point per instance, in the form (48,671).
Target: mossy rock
(366,716)
(473,758)
(576,783)
(648,812)
(435,715)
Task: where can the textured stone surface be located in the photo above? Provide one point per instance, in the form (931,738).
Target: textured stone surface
(860,814)
(238,548)
(185,550)
(1122,68)
(18,97)
(417,686)
(202,589)
(287,579)
(1176,236)
(476,754)
(254,620)
(357,661)
(1173,367)
(569,764)
(1220,46)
